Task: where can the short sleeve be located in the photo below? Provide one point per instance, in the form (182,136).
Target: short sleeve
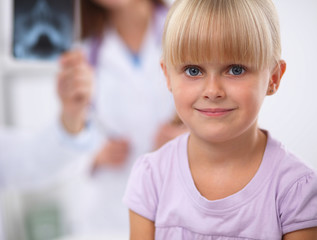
(298,209)
(141,193)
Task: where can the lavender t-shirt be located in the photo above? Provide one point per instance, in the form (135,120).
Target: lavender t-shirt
(281,197)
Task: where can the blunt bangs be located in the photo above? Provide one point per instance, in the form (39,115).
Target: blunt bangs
(235,31)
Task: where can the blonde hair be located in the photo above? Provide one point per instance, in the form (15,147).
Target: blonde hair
(239,31)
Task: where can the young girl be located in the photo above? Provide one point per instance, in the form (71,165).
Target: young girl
(225,179)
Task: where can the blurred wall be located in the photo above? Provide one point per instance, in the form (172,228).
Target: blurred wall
(291,115)
(27,88)
(28,98)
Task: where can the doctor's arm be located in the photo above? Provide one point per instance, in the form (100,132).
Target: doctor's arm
(307,234)
(169,131)
(75,88)
(140,227)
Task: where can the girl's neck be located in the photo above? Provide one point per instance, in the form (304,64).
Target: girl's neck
(233,153)
(131,22)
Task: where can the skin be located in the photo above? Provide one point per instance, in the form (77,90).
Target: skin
(214,88)
(112,154)
(167,132)
(221,110)
(140,227)
(210,94)
(309,234)
(75,88)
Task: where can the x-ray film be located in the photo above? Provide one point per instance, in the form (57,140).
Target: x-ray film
(43,29)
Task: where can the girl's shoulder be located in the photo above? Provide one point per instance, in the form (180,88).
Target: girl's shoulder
(291,176)
(291,168)
(283,162)
(165,157)
(150,174)
(295,192)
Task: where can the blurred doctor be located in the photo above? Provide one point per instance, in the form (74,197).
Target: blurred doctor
(115,106)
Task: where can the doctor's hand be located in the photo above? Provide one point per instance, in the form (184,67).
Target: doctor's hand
(169,131)
(113,154)
(75,87)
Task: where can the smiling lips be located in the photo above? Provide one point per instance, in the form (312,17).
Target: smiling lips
(215,112)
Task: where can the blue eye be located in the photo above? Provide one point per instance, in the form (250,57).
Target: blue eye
(236,70)
(193,71)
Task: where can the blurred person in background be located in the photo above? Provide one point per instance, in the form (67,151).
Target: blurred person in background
(115,106)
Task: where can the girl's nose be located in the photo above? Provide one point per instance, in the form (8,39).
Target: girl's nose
(213,89)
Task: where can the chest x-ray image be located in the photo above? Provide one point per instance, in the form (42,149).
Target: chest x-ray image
(43,29)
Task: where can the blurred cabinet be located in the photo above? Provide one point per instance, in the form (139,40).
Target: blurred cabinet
(28,93)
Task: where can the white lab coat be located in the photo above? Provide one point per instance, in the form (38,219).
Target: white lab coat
(131,102)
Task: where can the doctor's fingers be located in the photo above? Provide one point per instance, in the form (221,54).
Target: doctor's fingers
(110,160)
(117,145)
(115,159)
(82,72)
(68,87)
(72,58)
(114,153)
(80,95)
(118,148)
(68,81)
(76,95)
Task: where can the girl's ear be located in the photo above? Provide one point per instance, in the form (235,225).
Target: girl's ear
(276,76)
(168,81)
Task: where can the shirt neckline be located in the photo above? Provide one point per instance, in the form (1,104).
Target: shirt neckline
(236,200)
